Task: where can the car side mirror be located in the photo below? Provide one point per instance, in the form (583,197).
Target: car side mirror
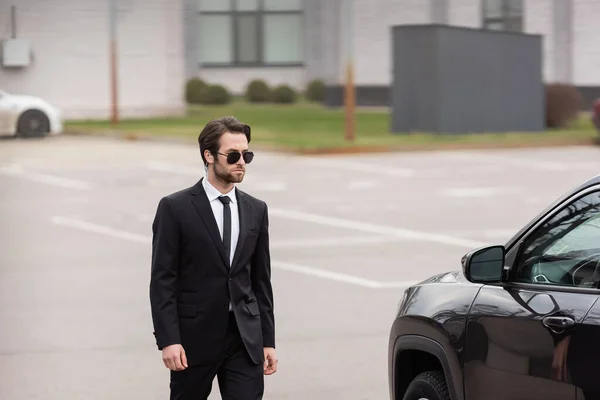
(484,265)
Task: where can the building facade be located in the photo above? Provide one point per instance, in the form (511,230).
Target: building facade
(69,55)
(294,41)
(162,43)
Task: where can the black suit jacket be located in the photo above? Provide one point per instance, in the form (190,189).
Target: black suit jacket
(191,285)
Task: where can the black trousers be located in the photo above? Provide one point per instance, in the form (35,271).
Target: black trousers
(239,378)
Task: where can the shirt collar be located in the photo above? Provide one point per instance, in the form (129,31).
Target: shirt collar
(212,193)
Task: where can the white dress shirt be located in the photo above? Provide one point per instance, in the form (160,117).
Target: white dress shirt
(217,208)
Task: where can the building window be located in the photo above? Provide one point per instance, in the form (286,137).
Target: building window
(251,32)
(503,15)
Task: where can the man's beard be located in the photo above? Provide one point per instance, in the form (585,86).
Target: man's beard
(225,176)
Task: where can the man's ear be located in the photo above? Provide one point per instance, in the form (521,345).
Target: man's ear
(209,157)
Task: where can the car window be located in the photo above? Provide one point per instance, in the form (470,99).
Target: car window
(565,250)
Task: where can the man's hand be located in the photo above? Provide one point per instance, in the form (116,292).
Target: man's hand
(270,365)
(174,357)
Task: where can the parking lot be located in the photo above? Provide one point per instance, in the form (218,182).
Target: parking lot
(348,233)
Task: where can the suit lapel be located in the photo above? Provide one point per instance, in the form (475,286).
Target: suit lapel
(202,205)
(245,212)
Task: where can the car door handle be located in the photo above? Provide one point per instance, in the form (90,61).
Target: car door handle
(558,324)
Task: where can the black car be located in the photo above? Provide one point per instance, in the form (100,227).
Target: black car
(520,321)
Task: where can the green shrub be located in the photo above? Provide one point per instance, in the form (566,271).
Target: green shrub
(258,91)
(284,94)
(315,91)
(217,94)
(563,104)
(195,91)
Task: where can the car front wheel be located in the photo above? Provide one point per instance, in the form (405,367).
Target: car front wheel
(33,123)
(430,385)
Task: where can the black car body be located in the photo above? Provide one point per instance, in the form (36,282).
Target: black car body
(519,321)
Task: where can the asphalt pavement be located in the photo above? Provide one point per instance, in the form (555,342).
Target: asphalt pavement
(348,234)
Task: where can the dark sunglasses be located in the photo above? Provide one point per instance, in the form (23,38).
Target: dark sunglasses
(234,157)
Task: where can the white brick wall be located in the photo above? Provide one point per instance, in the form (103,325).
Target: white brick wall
(586,36)
(466,13)
(538,19)
(372,35)
(71,56)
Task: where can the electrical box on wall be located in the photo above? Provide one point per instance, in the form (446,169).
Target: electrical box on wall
(16,53)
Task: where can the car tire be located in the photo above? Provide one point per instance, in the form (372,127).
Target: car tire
(430,385)
(33,123)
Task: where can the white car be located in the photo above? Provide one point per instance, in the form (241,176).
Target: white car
(28,116)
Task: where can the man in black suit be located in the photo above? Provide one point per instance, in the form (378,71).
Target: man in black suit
(210,286)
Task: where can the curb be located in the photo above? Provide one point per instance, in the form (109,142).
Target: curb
(351,149)
(444,147)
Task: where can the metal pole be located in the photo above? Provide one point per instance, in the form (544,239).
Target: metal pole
(349,89)
(114,87)
(13,21)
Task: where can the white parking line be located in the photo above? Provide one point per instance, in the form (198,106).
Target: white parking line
(320,273)
(17,170)
(361,185)
(103,230)
(339,277)
(337,164)
(379,170)
(377,229)
(492,234)
(270,186)
(176,169)
(333,242)
(529,163)
(479,191)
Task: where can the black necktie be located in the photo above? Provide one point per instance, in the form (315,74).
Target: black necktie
(226,226)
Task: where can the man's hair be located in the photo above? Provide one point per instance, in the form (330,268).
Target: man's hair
(210,136)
